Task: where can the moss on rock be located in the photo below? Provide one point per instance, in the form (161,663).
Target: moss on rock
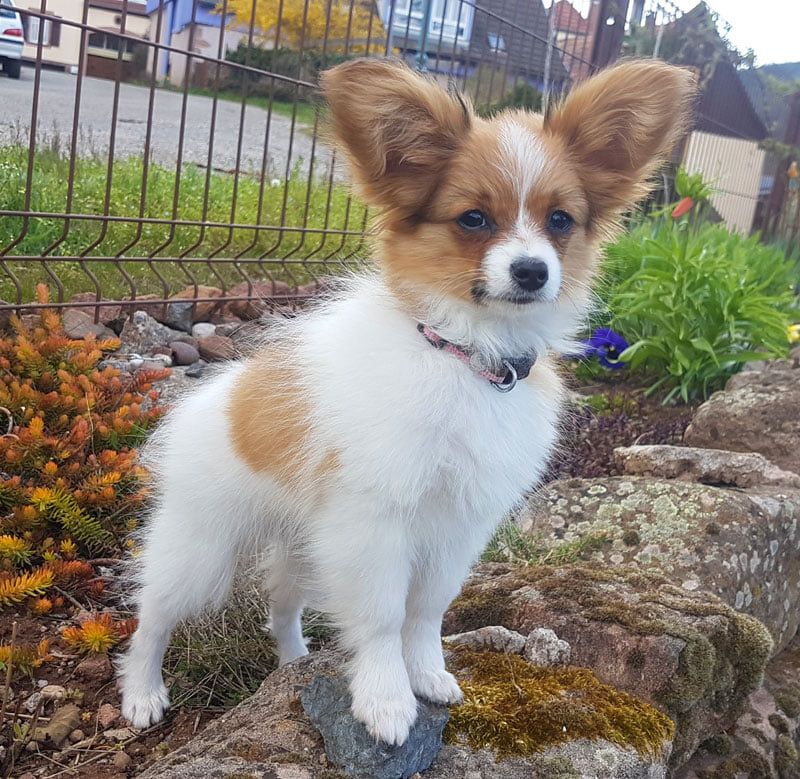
(515,708)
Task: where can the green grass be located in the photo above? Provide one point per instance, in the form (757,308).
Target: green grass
(510,545)
(304,112)
(285,205)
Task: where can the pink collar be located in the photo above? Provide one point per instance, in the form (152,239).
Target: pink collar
(513,368)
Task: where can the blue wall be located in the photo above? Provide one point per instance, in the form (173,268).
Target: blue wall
(180,11)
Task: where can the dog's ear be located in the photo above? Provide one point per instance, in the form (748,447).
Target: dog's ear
(619,126)
(397,128)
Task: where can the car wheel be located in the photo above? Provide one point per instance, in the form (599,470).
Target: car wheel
(13,68)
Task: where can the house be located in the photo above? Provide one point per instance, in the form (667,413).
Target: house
(61,41)
(725,142)
(506,36)
(175,23)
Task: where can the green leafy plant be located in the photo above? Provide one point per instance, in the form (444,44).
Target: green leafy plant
(696,303)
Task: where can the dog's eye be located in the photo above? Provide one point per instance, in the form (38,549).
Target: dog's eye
(559,222)
(473,220)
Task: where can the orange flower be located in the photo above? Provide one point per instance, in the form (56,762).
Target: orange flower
(96,635)
(683,207)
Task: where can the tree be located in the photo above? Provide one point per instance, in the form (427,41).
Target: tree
(309,23)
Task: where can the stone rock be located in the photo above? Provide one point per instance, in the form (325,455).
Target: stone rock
(202,312)
(764,740)
(348,745)
(203,330)
(186,338)
(61,724)
(78,324)
(196,370)
(686,652)
(184,353)
(158,361)
(756,412)
(741,546)
(32,702)
(267,295)
(77,735)
(493,637)
(270,735)
(5,316)
(147,304)
(216,347)
(176,385)
(122,761)
(107,715)
(707,466)
(179,316)
(119,734)
(228,329)
(141,334)
(544,647)
(95,668)
(112,316)
(30,321)
(53,692)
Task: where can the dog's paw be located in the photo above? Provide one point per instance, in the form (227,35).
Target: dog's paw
(146,706)
(387,719)
(436,686)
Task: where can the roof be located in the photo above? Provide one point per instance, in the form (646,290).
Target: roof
(568,19)
(523,27)
(725,106)
(135,8)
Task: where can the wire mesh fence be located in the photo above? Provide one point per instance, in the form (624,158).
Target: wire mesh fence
(174,147)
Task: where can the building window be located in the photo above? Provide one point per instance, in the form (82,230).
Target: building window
(110,42)
(496,42)
(50,29)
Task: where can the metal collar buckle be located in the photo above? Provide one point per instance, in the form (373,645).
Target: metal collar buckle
(510,380)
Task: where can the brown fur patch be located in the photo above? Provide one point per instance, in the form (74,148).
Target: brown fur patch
(269,419)
(618,127)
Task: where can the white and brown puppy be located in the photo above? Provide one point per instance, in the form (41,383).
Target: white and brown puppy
(366,448)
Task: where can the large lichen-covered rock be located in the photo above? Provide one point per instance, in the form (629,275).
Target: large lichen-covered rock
(705,466)
(742,546)
(765,740)
(609,735)
(687,652)
(756,412)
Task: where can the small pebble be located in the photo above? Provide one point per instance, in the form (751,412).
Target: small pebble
(32,746)
(42,682)
(107,715)
(203,329)
(122,761)
(32,702)
(196,371)
(120,734)
(53,692)
(77,735)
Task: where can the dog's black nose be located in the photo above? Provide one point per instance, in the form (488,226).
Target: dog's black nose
(529,273)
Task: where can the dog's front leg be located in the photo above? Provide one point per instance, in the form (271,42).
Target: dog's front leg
(433,587)
(365,572)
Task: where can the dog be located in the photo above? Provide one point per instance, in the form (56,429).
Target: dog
(370,447)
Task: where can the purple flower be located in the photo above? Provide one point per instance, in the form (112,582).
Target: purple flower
(607,346)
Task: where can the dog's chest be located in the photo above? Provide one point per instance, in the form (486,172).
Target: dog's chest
(461,448)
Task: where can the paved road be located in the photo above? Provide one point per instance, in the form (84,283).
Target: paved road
(57,104)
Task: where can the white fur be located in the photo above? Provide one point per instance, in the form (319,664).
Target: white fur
(430,459)
(524,162)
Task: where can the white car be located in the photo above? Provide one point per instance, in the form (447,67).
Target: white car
(12,38)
